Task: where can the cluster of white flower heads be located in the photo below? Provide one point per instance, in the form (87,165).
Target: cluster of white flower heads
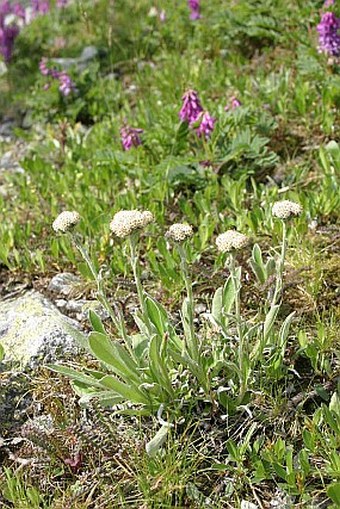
(125,222)
(231,240)
(179,232)
(66,221)
(285,209)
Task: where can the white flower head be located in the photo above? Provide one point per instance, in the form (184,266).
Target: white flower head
(125,222)
(285,209)
(66,221)
(179,232)
(231,240)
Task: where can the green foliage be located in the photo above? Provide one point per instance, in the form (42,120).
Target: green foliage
(268,332)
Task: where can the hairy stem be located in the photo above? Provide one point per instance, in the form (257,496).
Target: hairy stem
(192,340)
(280,266)
(101,296)
(238,319)
(134,254)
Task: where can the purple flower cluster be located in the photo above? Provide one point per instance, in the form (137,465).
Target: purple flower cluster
(40,6)
(329,39)
(66,85)
(194,6)
(191,108)
(207,125)
(130,137)
(193,113)
(234,103)
(328,3)
(12,16)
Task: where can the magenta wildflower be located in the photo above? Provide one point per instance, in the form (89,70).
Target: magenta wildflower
(19,10)
(191,107)
(194,6)
(62,3)
(234,103)
(40,6)
(45,71)
(207,125)
(130,137)
(9,27)
(328,3)
(8,34)
(329,39)
(66,85)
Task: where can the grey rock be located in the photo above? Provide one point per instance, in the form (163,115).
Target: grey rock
(200,308)
(6,128)
(33,331)
(64,283)
(81,307)
(89,53)
(81,63)
(8,163)
(15,399)
(281,500)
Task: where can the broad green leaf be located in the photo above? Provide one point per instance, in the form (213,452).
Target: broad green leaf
(333,491)
(103,397)
(216,307)
(157,315)
(159,364)
(285,327)
(229,295)
(139,345)
(113,355)
(75,375)
(96,322)
(141,325)
(2,352)
(128,392)
(186,313)
(270,320)
(157,441)
(257,264)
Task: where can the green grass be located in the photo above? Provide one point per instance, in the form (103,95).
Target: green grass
(280,144)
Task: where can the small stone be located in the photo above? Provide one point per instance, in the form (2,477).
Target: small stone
(64,283)
(281,500)
(9,164)
(200,308)
(81,63)
(81,308)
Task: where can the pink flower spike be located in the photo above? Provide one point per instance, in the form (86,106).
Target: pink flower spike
(207,125)
(130,137)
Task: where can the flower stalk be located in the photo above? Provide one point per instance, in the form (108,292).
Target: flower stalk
(101,295)
(192,339)
(134,256)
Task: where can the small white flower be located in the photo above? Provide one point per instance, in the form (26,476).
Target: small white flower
(66,221)
(125,222)
(179,232)
(285,209)
(231,240)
